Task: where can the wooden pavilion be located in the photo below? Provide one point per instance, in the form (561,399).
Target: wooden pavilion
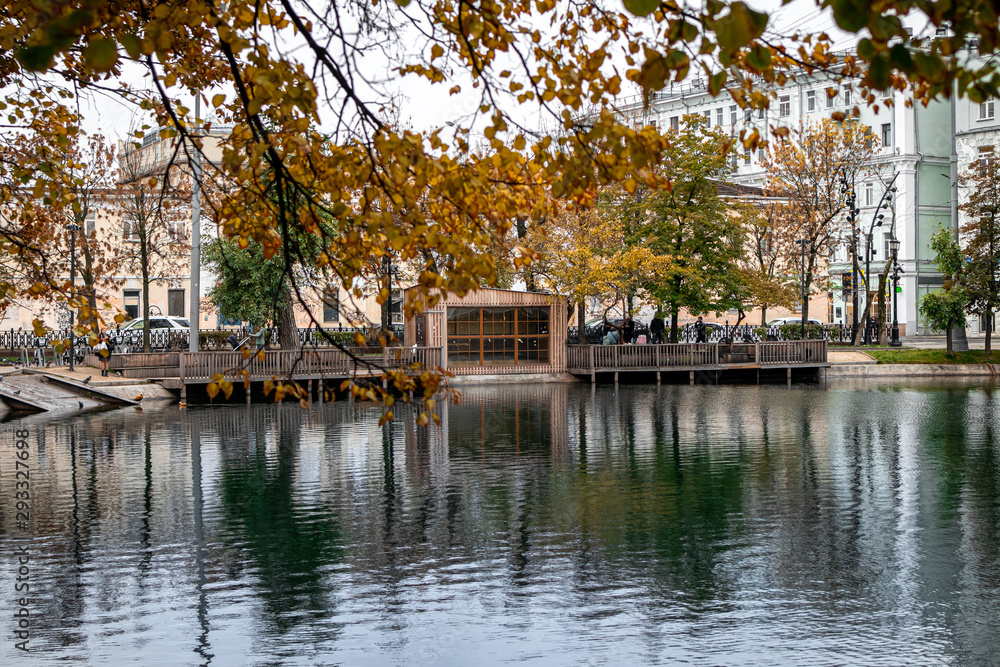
(493,331)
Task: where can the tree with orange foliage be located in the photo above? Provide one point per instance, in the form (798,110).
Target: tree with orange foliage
(804,169)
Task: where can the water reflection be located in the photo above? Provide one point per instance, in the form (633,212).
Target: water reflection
(554,524)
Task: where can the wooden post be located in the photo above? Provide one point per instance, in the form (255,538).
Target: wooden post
(657,377)
(593,371)
(789,369)
(691,378)
(616,378)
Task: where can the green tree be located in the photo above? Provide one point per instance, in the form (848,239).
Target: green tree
(248,287)
(945,308)
(688,225)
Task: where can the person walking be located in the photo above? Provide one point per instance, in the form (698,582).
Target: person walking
(656,328)
(700,335)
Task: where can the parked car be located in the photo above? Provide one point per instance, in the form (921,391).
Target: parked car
(791,320)
(165,333)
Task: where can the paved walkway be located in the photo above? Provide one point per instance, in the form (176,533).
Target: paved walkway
(842,356)
(80,373)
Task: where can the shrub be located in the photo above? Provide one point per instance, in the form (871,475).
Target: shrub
(213,339)
(794,331)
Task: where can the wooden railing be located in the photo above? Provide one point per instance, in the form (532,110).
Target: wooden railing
(609,357)
(792,352)
(642,356)
(303,363)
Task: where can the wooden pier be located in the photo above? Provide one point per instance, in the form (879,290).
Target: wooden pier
(198,368)
(696,357)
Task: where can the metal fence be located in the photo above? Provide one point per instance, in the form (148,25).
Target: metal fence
(744,333)
(21,343)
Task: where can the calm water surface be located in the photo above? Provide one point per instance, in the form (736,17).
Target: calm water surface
(856,524)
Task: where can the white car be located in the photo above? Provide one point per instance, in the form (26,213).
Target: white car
(165,332)
(791,320)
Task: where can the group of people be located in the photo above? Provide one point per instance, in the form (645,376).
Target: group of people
(612,334)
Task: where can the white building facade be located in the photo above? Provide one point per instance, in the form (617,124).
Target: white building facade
(916,146)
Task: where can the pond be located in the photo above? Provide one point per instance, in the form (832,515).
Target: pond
(851,523)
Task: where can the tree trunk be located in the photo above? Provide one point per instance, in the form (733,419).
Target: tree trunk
(581,325)
(989,332)
(763,316)
(673,326)
(949,352)
(288,330)
(144,268)
(89,287)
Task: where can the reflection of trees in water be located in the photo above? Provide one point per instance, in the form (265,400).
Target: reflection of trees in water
(290,544)
(687,494)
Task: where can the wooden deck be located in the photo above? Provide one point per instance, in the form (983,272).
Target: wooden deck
(691,357)
(195,368)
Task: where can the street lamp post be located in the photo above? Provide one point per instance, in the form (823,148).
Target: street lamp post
(894,247)
(850,199)
(73,229)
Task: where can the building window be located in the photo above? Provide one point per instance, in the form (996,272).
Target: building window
(831,93)
(784,105)
(732,115)
(986,110)
(811,101)
(869,194)
(760,113)
(498,336)
(985,155)
(675,124)
(719,116)
(130,298)
(90,223)
(130,231)
(708,118)
(331,305)
(760,155)
(175,303)
(396,306)
(847,97)
(748,115)
(887,135)
(746,156)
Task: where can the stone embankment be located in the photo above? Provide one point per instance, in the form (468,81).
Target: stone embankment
(856,364)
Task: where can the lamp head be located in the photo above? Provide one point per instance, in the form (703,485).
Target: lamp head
(894,245)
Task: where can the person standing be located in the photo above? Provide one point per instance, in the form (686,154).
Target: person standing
(656,328)
(700,335)
(628,330)
(103,350)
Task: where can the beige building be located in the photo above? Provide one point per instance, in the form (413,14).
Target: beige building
(169,291)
